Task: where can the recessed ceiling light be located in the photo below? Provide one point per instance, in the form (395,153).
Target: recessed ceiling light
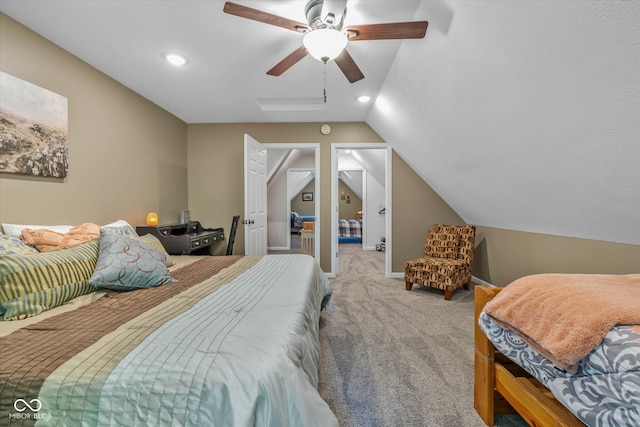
(175,59)
(364,98)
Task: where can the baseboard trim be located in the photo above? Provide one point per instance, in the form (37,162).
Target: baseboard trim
(474,279)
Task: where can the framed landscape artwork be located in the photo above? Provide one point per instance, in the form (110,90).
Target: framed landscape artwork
(33,129)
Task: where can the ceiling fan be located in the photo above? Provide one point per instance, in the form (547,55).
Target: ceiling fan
(324,35)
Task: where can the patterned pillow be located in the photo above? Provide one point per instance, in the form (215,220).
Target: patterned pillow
(12,245)
(37,282)
(125,263)
(152,240)
(122,227)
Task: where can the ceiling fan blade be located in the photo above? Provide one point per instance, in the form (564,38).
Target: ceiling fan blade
(348,66)
(395,30)
(289,61)
(266,17)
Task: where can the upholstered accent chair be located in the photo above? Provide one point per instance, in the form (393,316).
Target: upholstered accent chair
(447,261)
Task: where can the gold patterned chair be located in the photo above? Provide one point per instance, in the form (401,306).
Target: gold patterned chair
(447,261)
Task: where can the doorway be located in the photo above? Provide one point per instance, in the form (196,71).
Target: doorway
(301,195)
(293,173)
(374,162)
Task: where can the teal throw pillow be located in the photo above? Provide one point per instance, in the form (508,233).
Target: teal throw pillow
(125,263)
(152,240)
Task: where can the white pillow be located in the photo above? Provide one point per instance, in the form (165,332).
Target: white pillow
(118,223)
(16,229)
(121,227)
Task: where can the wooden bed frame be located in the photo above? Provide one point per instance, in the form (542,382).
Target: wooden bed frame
(501,386)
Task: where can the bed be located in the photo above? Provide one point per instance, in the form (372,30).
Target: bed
(297,221)
(349,230)
(231,341)
(584,374)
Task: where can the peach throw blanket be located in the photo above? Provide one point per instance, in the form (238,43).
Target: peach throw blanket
(47,240)
(565,316)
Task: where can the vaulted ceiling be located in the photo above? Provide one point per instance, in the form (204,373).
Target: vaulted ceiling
(522,115)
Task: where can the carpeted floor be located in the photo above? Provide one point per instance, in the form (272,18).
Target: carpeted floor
(395,358)
(295,247)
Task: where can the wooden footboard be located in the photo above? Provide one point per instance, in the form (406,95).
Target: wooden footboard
(501,386)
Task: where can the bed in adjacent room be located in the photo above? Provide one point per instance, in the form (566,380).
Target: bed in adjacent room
(350,230)
(222,341)
(560,349)
(297,221)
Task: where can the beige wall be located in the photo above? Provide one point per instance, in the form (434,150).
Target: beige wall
(416,208)
(126,155)
(216,182)
(501,255)
(305,207)
(348,210)
(216,168)
(505,255)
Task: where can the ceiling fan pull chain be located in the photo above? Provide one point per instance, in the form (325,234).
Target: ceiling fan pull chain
(325,83)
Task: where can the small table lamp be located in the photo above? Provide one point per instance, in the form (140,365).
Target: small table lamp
(152,218)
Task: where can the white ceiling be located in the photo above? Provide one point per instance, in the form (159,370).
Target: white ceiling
(522,115)
(228,55)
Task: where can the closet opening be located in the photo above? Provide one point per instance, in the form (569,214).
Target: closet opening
(293,198)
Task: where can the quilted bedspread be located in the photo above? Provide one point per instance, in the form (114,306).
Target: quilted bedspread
(233,343)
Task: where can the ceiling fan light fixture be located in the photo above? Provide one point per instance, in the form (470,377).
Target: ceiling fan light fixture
(325,44)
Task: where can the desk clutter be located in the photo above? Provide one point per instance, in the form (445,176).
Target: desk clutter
(183,239)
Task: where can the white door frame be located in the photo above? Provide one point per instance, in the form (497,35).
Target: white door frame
(334,202)
(316,200)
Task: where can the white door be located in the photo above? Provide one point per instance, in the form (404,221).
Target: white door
(255,197)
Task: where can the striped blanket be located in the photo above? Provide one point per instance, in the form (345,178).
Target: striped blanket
(233,342)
